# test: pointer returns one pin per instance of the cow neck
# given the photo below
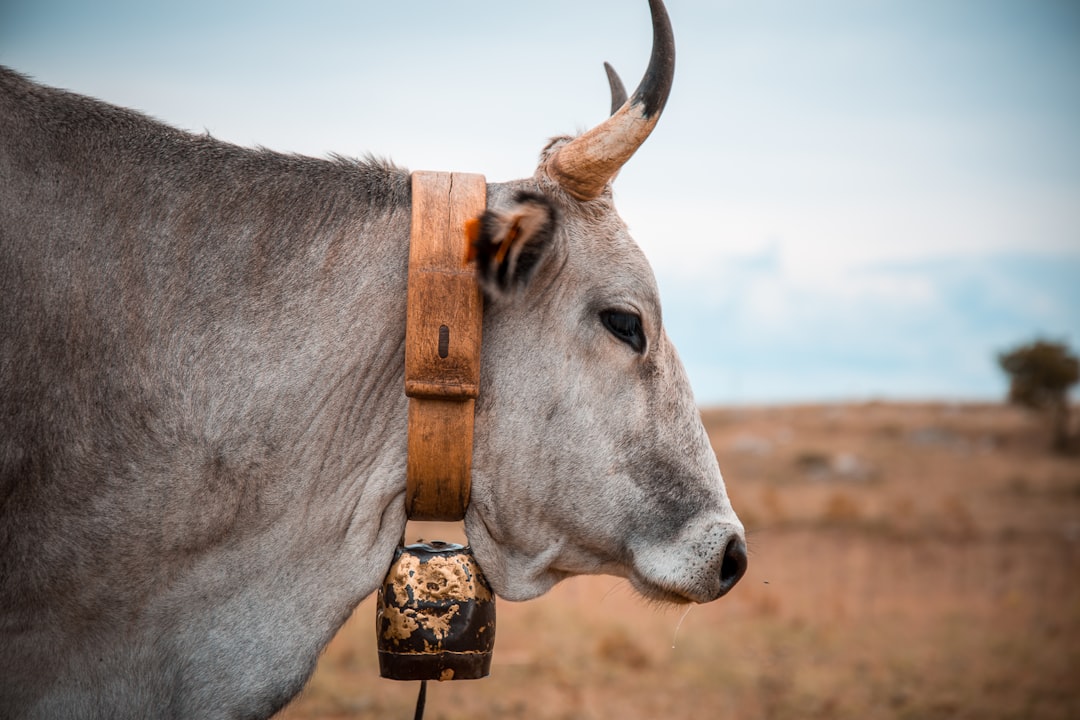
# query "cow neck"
(442, 344)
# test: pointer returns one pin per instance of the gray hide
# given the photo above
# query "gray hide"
(202, 422)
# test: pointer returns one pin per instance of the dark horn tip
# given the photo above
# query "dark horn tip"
(584, 166)
(652, 93)
(618, 90)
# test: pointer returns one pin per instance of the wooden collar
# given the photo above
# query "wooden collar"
(442, 344)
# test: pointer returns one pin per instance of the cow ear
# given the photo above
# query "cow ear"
(508, 244)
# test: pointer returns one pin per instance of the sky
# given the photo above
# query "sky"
(844, 200)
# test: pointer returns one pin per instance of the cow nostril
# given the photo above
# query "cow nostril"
(734, 565)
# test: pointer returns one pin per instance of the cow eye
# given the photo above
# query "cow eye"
(625, 326)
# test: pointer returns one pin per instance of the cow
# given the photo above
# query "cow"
(202, 421)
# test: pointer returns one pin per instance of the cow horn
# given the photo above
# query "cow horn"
(585, 165)
(618, 90)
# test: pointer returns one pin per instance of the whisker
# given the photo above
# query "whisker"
(619, 583)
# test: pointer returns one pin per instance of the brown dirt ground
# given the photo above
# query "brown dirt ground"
(907, 561)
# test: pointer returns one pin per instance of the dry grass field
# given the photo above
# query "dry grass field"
(906, 561)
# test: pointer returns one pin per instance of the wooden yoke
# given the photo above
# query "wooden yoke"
(442, 344)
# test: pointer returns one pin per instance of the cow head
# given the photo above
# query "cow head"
(590, 455)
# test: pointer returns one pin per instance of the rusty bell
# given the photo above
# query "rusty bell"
(436, 615)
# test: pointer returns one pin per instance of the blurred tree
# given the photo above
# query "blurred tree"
(1041, 374)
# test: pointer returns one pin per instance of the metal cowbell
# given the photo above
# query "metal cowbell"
(435, 618)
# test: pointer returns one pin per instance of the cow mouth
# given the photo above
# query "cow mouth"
(661, 594)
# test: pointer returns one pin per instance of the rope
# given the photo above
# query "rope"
(420, 700)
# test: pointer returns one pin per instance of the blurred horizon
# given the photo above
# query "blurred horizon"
(844, 201)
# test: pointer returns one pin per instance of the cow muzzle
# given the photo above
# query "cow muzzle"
(699, 568)
(733, 566)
